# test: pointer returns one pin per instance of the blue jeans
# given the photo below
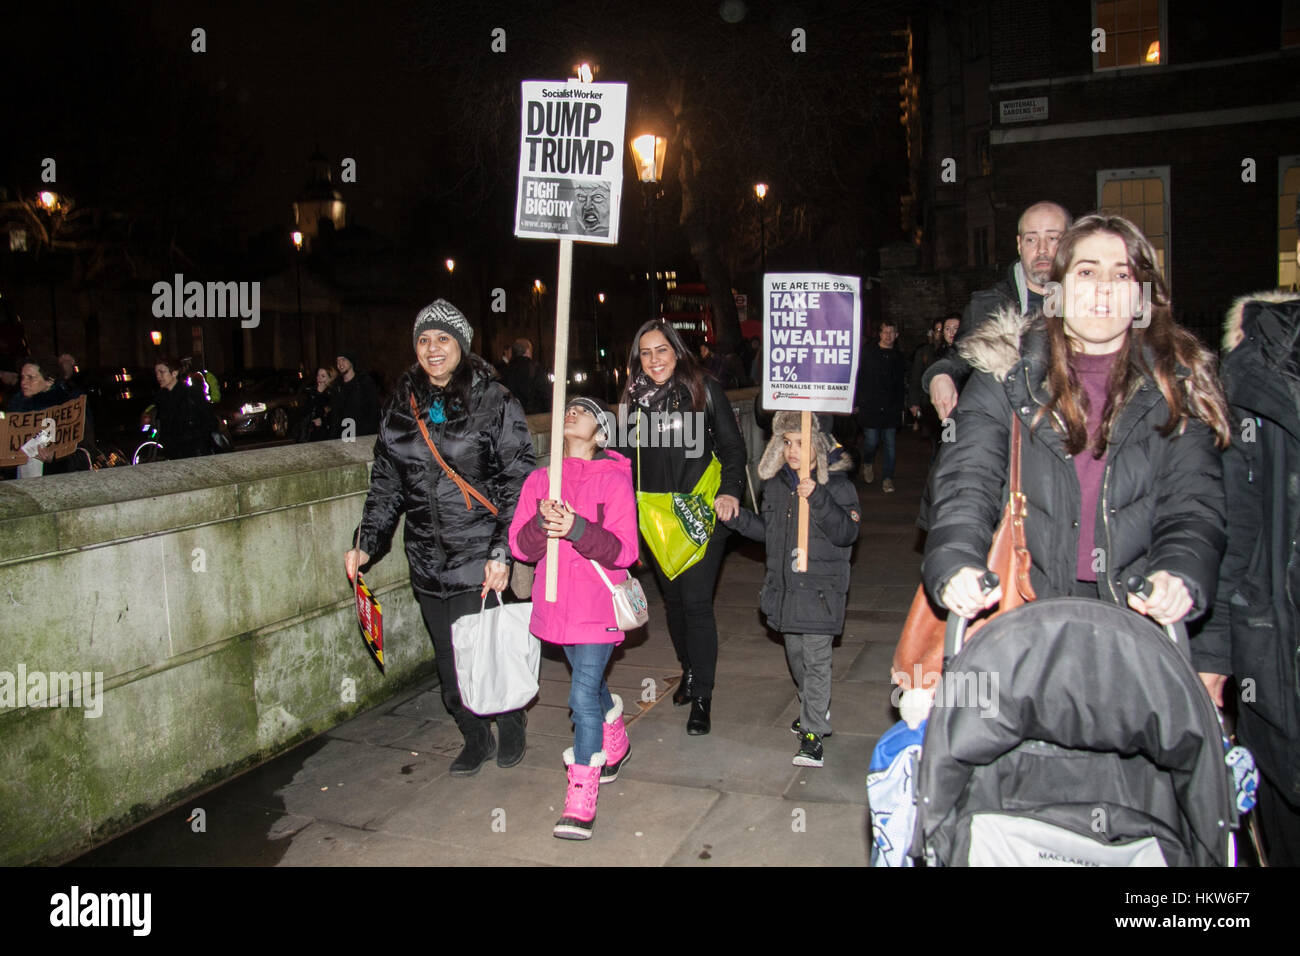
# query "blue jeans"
(589, 697)
(876, 436)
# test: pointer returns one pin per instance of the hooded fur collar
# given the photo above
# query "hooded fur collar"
(998, 344)
(1232, 334)
(993, 346)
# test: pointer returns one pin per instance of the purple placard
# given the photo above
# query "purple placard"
(810, 341)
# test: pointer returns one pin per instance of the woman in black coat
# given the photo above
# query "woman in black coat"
(320, 401)
(41, 387)
(1122, 425)
(456, 547)
(1254, 630)
(688, 412)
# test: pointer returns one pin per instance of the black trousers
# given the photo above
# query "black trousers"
(438, 614)
(688, 604)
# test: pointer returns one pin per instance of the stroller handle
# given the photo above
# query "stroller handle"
(954, 635)
(1178, 630)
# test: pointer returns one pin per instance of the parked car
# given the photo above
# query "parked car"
(262, 401)
(116, 397)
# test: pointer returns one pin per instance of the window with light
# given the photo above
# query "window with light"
(1142, 197)
(1288, 188)
(1133, 33)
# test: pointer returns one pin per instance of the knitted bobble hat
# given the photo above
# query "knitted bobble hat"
(445, 317)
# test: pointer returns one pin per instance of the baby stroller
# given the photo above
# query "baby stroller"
(1071, 732)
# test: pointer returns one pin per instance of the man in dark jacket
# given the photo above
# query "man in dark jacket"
(526, 379)
(1037, 235)
(356, 400)
(1254, 630)
(881, 390)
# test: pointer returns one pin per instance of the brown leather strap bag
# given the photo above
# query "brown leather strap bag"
(466, 489)
(919, 655)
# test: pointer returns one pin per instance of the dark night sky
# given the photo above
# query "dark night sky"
(138, 121)
(286, 75)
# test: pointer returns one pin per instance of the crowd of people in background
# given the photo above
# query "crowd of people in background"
(1133, 447)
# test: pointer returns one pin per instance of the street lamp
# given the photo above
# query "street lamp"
(648, 151)
(451, 265)
(297, 276)
(595, 325)
(55, 209)
(760, 190)
(539, 290)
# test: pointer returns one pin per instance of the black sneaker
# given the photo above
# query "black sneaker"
(810, 751)
(796, 728)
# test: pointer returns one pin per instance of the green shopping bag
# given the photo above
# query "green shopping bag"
(677, 525)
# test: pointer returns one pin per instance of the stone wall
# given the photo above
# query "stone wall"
(208, 596)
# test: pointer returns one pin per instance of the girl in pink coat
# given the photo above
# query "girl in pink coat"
(595, 520)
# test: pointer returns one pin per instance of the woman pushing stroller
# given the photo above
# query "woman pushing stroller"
(1123, 420)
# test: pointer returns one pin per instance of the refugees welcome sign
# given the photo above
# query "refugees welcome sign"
(810, 341)
(571, 161)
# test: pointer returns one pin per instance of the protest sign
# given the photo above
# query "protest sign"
(17, 427)
(811, 341)
(570, 188)
(571, 161)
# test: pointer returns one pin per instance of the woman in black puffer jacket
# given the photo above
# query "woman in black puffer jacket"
(456, 547)
(1122, 425)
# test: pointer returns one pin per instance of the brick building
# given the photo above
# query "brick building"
(1181, 115)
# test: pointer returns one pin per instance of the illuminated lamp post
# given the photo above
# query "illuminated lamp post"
(297, 276)
(648, 151)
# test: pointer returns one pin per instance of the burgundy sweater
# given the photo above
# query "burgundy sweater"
(1092, 371)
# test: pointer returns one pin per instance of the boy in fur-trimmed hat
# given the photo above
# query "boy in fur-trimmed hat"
(806, 607)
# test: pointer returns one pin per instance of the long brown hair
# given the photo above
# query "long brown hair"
(1200, 396)
(687, 371)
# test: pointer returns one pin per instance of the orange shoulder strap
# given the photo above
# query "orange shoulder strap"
(465, 487)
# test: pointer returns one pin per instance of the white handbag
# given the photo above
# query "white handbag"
(497, 658)
(630, 608)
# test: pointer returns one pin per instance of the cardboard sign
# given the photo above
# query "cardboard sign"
(17, 427)
(811, 340)
(571, 161)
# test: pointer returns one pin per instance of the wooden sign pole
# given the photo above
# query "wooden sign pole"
(558, 388)
(805, 471)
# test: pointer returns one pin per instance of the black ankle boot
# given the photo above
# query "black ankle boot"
(513, 743)
(685, 689)
(698, 723)
(479, 746)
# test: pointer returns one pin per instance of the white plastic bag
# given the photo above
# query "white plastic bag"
(497, 659)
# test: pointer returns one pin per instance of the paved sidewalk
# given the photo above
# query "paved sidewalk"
(375, 790)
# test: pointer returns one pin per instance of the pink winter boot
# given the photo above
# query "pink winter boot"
(580, 800)
(617, 748)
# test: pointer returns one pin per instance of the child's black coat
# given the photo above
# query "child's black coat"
(810, 602)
